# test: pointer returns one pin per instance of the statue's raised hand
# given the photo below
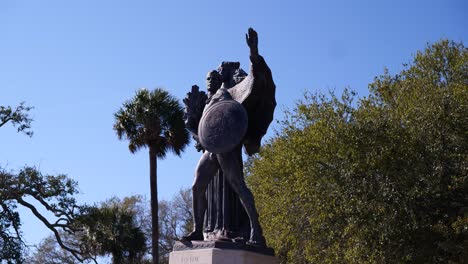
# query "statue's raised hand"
(252, 41)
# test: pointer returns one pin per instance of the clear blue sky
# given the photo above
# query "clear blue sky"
(77, 61)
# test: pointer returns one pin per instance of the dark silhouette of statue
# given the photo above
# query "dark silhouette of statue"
(235, 113)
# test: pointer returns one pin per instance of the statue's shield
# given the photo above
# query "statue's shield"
(223, 126)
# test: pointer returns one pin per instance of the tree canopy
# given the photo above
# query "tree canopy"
(36, 192)
(114, 228)
(17, 116)
(118, 228)
(380, 179)
(153, 119)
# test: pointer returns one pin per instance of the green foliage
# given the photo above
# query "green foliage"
(18, 117)
(152, 119)
(383, 180)
(113, 228)
(36, 192)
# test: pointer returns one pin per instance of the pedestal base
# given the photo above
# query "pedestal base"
(220, 256)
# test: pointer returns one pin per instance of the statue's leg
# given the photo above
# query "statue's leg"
(231, 165)
(206, 169)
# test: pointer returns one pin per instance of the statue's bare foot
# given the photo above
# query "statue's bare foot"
(195, 235)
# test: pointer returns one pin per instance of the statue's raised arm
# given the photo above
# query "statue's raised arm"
(257, 94)
(252, 41)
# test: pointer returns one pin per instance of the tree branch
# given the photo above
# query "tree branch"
(4, 121)
(33, 209)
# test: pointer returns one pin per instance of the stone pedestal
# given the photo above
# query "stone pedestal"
(220, 253)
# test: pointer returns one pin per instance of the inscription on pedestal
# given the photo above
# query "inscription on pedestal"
(191, 257)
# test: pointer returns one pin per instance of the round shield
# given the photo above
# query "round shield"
(223, 126)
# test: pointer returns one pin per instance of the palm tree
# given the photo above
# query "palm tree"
(153, 119)
(113, 229)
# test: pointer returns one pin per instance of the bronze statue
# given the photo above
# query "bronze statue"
(236, 112)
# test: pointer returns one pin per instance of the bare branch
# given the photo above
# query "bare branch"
(51, 227)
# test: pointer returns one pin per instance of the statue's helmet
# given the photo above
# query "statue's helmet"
(227, 70)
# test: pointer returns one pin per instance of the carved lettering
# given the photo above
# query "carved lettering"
(189, 259)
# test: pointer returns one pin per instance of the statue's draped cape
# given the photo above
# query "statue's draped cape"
(257, 94)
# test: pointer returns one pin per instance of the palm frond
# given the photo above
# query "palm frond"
(152, 118)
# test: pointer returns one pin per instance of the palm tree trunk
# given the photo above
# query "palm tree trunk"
(154, 206)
